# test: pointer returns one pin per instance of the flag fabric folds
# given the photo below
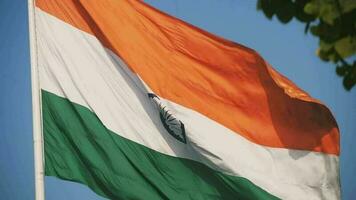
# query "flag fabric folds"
(137, 104)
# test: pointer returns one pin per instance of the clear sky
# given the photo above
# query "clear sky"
(286, 47)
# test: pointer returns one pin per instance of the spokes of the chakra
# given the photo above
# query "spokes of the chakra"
(173, 125)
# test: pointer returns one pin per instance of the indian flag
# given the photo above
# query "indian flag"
(137, 104)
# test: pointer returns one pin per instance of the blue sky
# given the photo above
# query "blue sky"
(286, 47)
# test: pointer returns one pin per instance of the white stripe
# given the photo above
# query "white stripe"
(73, 64)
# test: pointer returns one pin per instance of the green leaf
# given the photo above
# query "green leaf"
(327, 52)
(327, 10)
(325, 46)
(267, 7)
(299, 11)
(350, 77)
(347, 5)
(341, 70)
(285, 11)
(312, 8)
(346, 47)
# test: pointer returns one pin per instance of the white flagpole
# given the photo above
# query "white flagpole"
(36, 106)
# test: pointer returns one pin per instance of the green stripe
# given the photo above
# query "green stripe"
(78, 147)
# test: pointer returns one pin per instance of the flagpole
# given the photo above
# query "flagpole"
(36, 106)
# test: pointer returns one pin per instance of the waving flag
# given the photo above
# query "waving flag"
(137, 104)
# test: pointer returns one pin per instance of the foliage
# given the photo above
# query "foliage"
(332, 21)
